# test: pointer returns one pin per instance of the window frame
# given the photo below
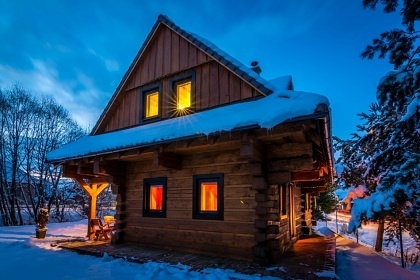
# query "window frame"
(179, 79)
(147, 183)
(206, 178)
(144, 91)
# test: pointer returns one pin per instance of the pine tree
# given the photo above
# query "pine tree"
(327, 202)
(387, 151)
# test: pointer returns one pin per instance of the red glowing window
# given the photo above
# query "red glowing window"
(208, 195)
(208, 201)
(154, 197)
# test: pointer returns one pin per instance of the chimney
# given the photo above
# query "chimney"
(255, 67)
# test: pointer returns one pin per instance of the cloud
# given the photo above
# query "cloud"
(79, 97)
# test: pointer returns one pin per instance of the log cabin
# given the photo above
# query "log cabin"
(204, 154)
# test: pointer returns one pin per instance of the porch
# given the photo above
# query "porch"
(309, 255)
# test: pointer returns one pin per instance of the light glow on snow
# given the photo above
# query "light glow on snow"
(25, 257)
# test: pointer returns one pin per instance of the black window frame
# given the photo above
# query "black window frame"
(144, 91)
(147, 182)
(202, 178)
(173, 82)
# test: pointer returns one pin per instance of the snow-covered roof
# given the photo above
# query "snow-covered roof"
(281, 83)
(224, 58)
(267, 112)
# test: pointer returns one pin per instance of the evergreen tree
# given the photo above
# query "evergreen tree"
(327, 202)
(386, 152)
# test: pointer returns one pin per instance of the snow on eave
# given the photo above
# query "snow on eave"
(267, 112)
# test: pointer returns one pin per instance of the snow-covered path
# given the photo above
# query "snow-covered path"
(354, 261)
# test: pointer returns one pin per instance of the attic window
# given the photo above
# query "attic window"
(183, 93)
(150, 103)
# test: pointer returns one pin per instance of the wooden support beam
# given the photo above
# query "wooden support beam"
(133, 152)
(115, 180)
(116, 155)
(166, 159)
(93, 190)
(72, 171)
(213, 139)
(279, 178)
(251, 149)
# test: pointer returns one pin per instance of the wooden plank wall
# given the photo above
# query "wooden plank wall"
(234, 236)
(166, 56)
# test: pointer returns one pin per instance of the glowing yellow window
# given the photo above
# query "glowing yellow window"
(183, 95)
(156, 197)
(208, 197)
(152, 104)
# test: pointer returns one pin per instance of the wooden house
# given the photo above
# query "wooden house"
(205, 155)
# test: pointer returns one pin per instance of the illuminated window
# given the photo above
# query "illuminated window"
(208, 197)
(154, 197)
(150, 103)
(183, 95)
(182, 87)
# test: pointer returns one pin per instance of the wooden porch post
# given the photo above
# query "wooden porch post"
(93, 190)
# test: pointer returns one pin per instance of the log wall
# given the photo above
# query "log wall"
(234, 236)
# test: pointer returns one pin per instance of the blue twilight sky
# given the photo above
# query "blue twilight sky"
(79, 50)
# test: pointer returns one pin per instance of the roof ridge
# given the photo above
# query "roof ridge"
(221, 56)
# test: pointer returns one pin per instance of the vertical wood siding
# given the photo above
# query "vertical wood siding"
(166, 56)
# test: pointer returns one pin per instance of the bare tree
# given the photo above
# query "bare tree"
(30, 129)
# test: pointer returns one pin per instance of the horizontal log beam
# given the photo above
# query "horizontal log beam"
(72, 171)
(305, 175)
(290, 150)
(312, 184)
(315, 191)
(290, 164)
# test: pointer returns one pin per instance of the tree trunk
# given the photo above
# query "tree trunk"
(380, 235)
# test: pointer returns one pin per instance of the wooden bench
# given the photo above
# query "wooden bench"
(98, 230)
(110, 221)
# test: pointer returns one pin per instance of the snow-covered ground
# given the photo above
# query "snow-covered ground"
(24, 257)
(367, 237)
